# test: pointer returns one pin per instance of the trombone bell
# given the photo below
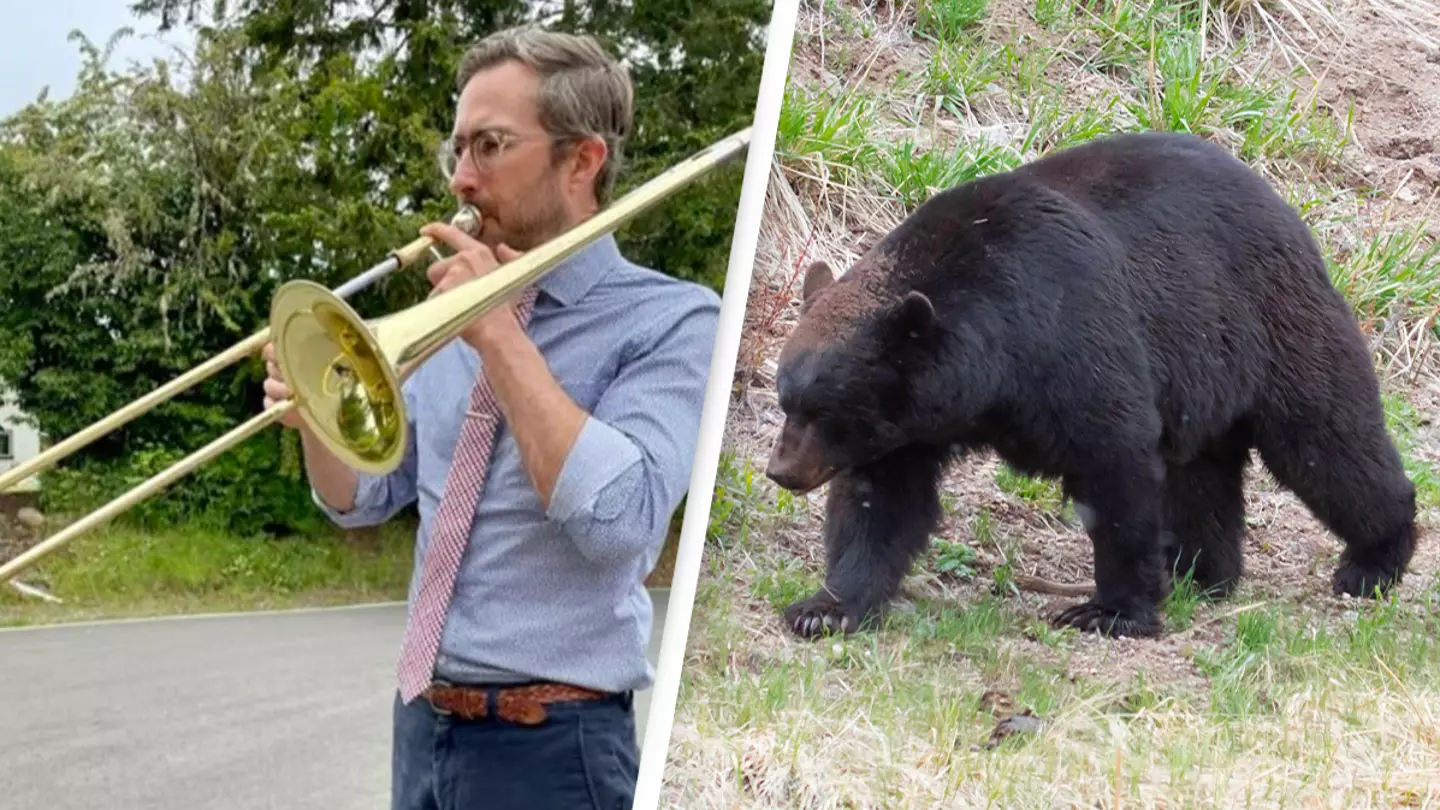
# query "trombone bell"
(347, 392)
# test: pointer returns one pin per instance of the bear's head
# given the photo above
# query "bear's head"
(846, 373)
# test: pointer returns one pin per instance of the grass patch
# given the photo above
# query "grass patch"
(1403, 422)
(829, 130)
(1392, 271)
(948, 19)
(1269, 656)
(1182, 602)
(1294, 708)
(744, 502)
(1039, 492)
(121, 572)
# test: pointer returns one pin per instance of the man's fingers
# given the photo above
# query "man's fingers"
(505, 253)
(480, 259)
(450, 235)
(275, 389)
(437, 271)
(476, 261)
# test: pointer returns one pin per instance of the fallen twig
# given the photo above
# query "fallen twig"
(32, 591)
(1026, 582)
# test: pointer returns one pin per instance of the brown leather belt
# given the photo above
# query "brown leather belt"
(517, 704)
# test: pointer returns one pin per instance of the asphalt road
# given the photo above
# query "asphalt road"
(271, 710)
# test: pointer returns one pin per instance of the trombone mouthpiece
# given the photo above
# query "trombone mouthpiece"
(467, 219)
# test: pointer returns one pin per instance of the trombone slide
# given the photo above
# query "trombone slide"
(155, 484)
(59, 451)
(467, 219)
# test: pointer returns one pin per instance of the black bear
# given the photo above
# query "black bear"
(1129, 317)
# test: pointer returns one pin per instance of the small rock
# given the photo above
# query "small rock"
(31, 518)
(1023, 723)
(997, 703)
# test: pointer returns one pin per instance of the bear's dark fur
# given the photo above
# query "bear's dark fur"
(1130, 317)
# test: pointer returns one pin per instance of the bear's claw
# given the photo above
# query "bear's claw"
(820, 614)
(1092, 617)
(1361, 581)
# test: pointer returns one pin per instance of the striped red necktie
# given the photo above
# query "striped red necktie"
(453, 520)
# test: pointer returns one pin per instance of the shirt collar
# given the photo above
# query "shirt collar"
(569, 281)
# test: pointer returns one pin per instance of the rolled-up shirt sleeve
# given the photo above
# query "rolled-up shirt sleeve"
(378, 497)
(631, 463)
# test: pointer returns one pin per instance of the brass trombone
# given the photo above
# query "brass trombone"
(345, 374)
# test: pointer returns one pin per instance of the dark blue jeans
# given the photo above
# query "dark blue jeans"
(582, 756)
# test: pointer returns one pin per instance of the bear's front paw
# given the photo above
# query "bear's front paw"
(821, 613)
(1092, 617)
(1362, 580)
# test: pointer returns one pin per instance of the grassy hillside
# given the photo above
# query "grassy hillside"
(1280, 697)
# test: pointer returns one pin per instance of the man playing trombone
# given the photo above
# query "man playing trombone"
(528, 618)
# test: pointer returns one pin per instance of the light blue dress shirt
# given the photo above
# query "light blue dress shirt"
(559, 595)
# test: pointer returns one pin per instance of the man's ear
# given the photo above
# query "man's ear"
(587, 156)
(818, 276)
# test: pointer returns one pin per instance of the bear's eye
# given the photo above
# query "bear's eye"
(790, 393)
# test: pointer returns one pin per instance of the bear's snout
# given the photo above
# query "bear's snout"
(796, 462)
(786, 475)
(798, 480)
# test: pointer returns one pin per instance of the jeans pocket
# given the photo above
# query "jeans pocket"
(610, 763)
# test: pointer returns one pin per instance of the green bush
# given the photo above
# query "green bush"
(147, 220)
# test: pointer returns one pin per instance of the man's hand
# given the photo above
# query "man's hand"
(548, 423)
(472, 260)
(328, 475)
(276, 391)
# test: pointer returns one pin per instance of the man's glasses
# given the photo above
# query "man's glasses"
(485, 146)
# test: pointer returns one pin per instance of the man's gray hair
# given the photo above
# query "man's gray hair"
(583, 91)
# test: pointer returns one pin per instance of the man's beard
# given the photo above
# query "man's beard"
(536, 219)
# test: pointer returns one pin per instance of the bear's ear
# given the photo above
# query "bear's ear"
(818, 276)
(915, 316)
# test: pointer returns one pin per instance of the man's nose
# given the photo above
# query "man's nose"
(465, 183)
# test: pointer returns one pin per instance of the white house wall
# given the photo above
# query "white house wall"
(24, 441)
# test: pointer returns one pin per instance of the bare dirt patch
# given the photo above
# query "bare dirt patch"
(1391, 76)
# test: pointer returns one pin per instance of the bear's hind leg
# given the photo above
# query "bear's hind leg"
(1121, 507)
(878, 519)
(1344, 467)
(1205, 515)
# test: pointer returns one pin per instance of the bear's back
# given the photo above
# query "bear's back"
(1119, 210)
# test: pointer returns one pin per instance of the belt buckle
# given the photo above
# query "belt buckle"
(435, 707)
